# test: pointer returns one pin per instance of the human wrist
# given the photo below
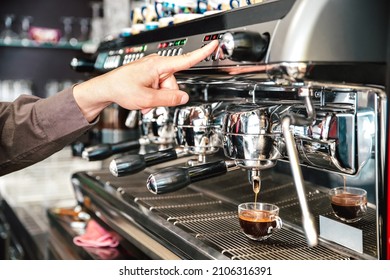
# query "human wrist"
(89, 100)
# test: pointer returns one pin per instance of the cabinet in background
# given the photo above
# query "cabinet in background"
(47, 64)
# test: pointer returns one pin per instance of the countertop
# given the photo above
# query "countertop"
(32, 191)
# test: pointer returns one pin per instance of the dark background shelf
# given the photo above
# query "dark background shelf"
(44, 63)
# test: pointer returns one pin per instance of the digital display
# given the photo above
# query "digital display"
(163, 45)
(136, 49)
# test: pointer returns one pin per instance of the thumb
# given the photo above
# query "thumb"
(168, 97)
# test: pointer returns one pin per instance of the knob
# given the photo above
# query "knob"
(244, 46)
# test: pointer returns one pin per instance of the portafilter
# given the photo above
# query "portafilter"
(251, 138)
(197, 129)
(156, 129)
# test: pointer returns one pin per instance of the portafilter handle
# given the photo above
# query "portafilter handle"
(175, 178)
(104, 151)
(131, 164)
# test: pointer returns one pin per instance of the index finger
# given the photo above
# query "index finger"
(187, 60)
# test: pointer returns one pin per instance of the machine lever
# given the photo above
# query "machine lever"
(131, 164)
(103, 151)
(174, 178)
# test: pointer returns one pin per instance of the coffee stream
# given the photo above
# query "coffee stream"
(256, 187)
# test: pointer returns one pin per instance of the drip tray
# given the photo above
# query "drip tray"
(207, 214)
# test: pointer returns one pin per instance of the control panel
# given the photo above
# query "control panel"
(240, 46)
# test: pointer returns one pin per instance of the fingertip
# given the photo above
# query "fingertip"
(184, 99)
(212, 45)
(215, 42)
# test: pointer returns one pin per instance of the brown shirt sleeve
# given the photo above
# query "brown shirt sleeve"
(33, 128)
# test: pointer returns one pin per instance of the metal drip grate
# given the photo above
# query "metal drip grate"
(208, 211)
(179, 201)
(195, 211)
(210, 225)
(299, 253)
(223, 234)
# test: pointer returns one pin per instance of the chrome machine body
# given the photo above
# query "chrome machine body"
(305, 89)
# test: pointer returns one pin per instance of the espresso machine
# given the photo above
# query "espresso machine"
(153, 131)
(197, 137)
(292, 103)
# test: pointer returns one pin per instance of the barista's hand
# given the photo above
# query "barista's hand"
(146, 83)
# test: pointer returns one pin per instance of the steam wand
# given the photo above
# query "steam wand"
(294, 119)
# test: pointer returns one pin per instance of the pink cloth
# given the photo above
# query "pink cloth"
(95, 236)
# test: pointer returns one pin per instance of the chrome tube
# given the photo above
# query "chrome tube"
(307, 218)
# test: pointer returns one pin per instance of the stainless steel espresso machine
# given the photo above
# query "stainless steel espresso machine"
(291, 104)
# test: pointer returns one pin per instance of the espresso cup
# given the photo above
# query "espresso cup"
(165, 8)
(250, 2)
(165, 21)
(179, 18)
(137, 16)
(258, 221)
(149, 14)
(187, 7)
(137, 28)
(349, 204)
(237, 3)
(225, 5)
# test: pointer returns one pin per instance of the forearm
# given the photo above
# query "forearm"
(33, 129)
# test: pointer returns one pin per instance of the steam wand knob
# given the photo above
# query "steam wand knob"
(244, 46)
